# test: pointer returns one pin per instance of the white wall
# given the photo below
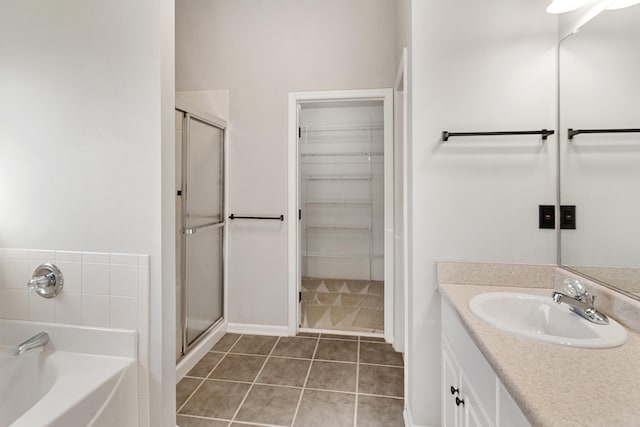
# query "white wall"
(476, 66)
(260, 51)
(572, 21)
(402, 31)
(84, 88)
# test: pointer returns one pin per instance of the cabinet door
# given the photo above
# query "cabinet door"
(471, 416)
(450, 378)
(509, 413)
(474, 414)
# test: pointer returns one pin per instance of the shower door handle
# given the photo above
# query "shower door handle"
(193, 230)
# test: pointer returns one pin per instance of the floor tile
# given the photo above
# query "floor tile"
(381, 380)
(337, 350)
(185, 421)
(295, 347)
(216, 399)
(324, 408)
(333, 376)
(339, 337)
(270, 405)
(205, 365)
(254, 344)
(184, 389)
(238, 367)
(380, 412)
(372, 339)
(281, 371)
(380, 354)
(226, 342)
(308, 334)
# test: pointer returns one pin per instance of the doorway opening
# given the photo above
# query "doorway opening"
(341, 173)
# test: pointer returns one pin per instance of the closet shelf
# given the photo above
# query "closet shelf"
(340, 255)
(347, 154)
(340, 203)
(352, 128)
(338, 228)
(337, 178)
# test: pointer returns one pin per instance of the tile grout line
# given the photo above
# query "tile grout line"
(254, 381)
(203, 379)
(306, 379)
(200, 417)
(355, 409)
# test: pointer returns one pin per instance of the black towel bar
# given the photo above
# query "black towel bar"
(574, 132)
(544, 132)
(277, 218)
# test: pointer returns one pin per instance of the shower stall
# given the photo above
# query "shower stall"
(200, 227)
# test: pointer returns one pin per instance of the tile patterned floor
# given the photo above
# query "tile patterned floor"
(309, 380)
(339, 304)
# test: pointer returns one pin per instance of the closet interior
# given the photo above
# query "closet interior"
(342, 215)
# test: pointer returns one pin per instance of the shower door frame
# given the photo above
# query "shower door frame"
(294, 274)
(222, 125)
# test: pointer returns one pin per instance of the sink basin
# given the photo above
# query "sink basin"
(540, 318)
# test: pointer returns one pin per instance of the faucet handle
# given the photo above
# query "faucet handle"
(576, 289)
(571, 288)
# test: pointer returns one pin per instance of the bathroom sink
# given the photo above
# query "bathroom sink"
(540, 318)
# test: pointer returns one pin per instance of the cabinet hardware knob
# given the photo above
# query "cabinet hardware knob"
(459, 401)
(454, 390)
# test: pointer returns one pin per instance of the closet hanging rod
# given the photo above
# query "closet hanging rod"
(277, 218)
(574, 132)
(544, 132)
(341, 128)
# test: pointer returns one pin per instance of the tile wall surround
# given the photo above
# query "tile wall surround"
(622, 308)
(107, 290)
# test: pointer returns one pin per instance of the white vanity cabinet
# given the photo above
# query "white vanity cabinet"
(472, 395)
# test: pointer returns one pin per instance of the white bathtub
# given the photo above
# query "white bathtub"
(83, 377)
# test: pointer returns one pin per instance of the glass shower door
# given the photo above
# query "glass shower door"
(203, 190)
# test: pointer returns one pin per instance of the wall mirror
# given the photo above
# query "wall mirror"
(599, 98)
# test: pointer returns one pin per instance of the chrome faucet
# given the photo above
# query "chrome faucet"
(580, 301)
(35, 341)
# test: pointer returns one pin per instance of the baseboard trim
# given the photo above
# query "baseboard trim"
(248, 328)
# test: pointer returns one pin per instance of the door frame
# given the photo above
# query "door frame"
(293, 252)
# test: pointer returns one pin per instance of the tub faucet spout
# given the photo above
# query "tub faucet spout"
(35, 341)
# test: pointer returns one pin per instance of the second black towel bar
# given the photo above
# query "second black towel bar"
(277, 218)
(544, 132)
(574, 132)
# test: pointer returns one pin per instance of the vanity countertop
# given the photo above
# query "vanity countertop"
(556, 385)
